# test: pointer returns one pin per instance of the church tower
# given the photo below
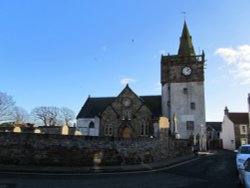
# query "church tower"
(182, 79)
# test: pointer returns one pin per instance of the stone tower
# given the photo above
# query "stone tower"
(182, 79)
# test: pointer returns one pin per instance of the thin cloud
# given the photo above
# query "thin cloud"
(228, 54)
(126, 81)
(239, 61)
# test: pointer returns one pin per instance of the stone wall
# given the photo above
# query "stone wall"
(69, 150)
(55, 130)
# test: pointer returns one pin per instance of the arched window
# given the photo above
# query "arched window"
(91, 125)
(144, 128)
(126, 115)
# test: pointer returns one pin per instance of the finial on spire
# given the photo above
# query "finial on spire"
(184, 15)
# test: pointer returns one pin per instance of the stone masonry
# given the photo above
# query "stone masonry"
(69, 150)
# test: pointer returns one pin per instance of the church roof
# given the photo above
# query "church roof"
(153, 103)
(96, 105)
(186, 46)
(239, 118)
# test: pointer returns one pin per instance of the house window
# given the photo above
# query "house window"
(185, 90)
(192, 105)
(190, 125)
(144, 128)
(108, 130)
(91, 125)
(243, 129)
(243, 141)
(168, 103)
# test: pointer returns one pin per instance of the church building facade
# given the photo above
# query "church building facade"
(124, 116)
(131, 116)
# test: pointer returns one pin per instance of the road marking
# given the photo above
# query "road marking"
(175, 165)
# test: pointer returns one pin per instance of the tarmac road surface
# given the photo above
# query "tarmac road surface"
(210, 171)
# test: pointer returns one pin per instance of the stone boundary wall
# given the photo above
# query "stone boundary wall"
(69, 150)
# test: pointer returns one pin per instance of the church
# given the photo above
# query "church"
(182, 101)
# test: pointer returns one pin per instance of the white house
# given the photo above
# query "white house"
(89, 126)
(235, 129)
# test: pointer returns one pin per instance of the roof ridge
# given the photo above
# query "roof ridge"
(101, 97)
(237, 112)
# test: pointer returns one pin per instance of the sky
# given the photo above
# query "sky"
(59, 52)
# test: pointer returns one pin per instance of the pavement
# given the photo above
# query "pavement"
(100, 169)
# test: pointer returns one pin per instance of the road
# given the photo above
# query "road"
(212, 171)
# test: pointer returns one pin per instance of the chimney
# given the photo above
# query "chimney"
(226, 111)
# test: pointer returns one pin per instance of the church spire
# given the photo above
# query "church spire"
(186, 46)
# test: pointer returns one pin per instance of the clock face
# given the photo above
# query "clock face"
(186, 71)
(126, 102)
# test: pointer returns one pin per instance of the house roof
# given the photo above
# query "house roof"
(95, 106)
(239, 118)
(214, 125)
(13, 124)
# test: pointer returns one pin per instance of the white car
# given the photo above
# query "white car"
(244, 174)
(243, 153)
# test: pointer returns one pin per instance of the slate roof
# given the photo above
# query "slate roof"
(214, 125)
(95, 106)
(239, 118)
(186, 46)
(154, 104)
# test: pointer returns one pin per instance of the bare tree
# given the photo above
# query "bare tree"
(54, 113)
(40, 113)
(67, 115)
(20, 115)
(47, 114)
(52, 116)
(6, 107)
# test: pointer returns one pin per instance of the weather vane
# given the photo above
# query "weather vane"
(184, 14)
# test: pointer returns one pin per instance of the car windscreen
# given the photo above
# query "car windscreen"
(245, 150)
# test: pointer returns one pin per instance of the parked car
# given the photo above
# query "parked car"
(243, 153)
(244, 174)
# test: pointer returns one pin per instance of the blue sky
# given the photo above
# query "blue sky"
(57, 52)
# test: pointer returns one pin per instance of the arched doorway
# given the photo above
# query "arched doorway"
(127, 132)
